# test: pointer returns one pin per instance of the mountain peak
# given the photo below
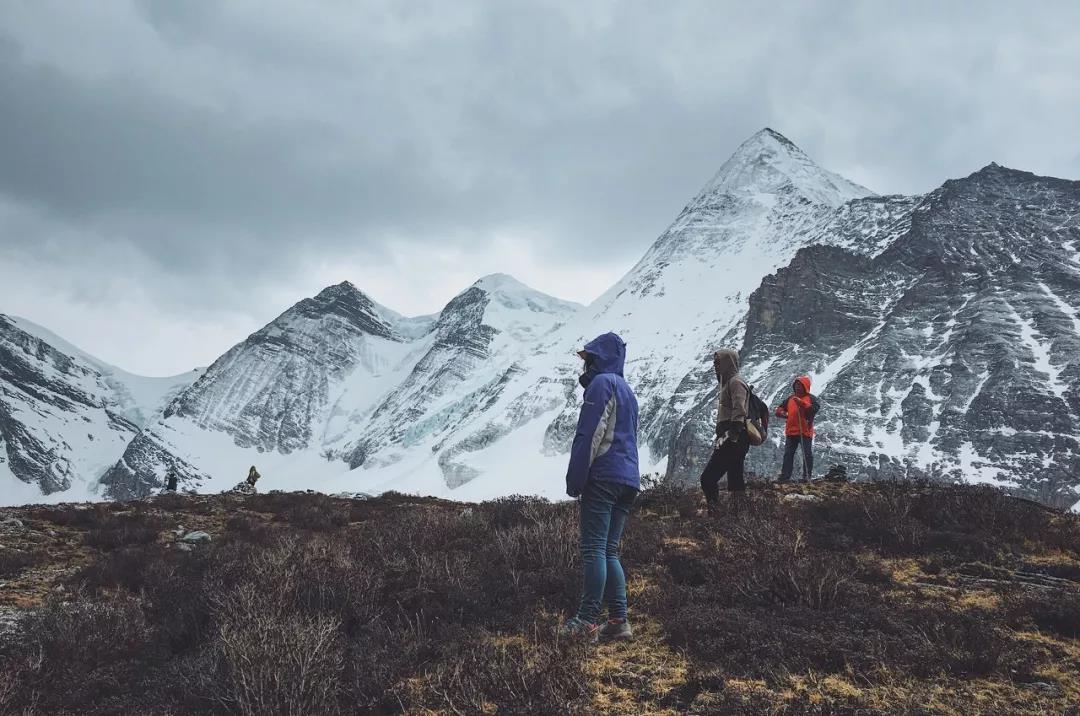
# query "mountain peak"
(347, 301)
(770, 163)
(507, 285)
(339, 290)
(501, 283)
(768, 134)
(993, 174)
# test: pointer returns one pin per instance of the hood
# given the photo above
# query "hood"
(608, 353)
(803, 380)
(726, 363)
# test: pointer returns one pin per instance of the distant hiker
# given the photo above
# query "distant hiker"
(603, 472)
(799, 411)
(731, 444)
(253, 476)
(170, 481)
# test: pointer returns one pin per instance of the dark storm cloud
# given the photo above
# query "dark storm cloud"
(253, 149)
(439, 134)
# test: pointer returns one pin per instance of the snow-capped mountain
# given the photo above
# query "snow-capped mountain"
(66, 416)
(673, 308)
(337, 382)
(953, 352)
(940, 331)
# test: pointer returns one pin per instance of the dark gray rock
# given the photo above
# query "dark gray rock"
(196, 537)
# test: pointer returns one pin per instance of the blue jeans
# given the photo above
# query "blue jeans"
(604, 509)
(791, 444)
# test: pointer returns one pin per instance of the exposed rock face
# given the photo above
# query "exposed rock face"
(954, 352)
(64, 415)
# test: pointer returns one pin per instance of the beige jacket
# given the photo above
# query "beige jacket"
(734, 395)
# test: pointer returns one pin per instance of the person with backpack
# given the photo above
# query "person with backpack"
(732, 439)
(798, 410)
(603, 473)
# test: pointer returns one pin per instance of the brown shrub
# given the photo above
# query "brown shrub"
(883, 516)
(69, 658)
(424, 606)
(1056, 611)
(176, 502)
(522, 674)
(316, 517)
(82, 516)
(113, 531)
(267, 659)
(13, 561)
(667, 495)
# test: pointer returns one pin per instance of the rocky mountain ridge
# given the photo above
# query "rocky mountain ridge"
(939, 330)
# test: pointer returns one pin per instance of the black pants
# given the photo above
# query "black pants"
(791, 444)
(728, 458)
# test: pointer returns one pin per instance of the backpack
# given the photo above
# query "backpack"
(815, 407)
(757, 418)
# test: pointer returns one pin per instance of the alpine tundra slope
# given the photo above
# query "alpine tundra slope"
(940, 330)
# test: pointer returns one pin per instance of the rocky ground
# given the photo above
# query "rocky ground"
(830, 599)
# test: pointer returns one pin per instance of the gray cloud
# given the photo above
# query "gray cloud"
(201, 160)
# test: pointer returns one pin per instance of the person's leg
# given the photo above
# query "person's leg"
(597, 504)
(808, 458)
(615, 587)
(735, 477)
(791, 443)
(710, 477)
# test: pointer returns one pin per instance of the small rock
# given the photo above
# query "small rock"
(467, 512)
(242, 489)
(352, 495)
(11, 523)
(799, 497)
(184, 547)
(197, 536)
(836, 473)
(1046, 688)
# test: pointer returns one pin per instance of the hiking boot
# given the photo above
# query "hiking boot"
(616, 630)
(575, 628)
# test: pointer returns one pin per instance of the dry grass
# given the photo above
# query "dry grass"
(873, 599)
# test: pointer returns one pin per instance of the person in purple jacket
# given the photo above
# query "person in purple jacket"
(603, 472)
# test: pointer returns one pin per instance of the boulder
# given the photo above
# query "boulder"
(196, 536)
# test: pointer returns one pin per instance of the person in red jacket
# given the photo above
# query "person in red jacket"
(798, 411)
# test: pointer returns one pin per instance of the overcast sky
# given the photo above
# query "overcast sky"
(175, 174)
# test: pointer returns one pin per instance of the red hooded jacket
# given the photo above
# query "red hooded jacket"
(797, 411)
